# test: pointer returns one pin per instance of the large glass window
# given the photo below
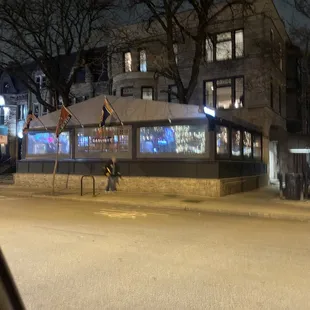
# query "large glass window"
(95, 142)
(225, 93)
(222, 140)
(236, 142)
(247, 144)
(177, 139)
(257, 146)
(45, 144)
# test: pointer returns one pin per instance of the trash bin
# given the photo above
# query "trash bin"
(293, 186)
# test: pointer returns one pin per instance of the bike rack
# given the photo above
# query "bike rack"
(94, 184)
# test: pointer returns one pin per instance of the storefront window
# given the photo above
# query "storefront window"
(94, 142)
(236, 142)
(178, 139)
(222, 140)
(45, 143)
(257, 146)
(247, 144)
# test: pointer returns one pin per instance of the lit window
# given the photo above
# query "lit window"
(222, 140)
(239, 96)
(147, 93)
(176, 139)
(257, 146)
(209, 50)
(127, 62)
(247, 144)
(143, 66)
(236, 142)
(225, 93)
(223, 46)
(239, 49)
(176, 52)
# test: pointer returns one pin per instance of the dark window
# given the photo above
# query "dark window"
(6, 88)
(271, 94)
(172, 94)
(127, 91)
(225, 93)
(114, 92)
(1, 116)
(280, 100)
(80, 76)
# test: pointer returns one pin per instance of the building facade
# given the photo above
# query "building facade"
(244, 73)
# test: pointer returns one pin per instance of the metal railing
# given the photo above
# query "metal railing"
(94, 184)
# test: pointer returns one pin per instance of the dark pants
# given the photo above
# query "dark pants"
(111, 186)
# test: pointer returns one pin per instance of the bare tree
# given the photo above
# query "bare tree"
(43, 35)
(173, 24)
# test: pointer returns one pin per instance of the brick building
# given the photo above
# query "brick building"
(244, 74)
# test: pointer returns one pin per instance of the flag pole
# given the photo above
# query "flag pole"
(105, 97)
(55, 165)
(40, 122)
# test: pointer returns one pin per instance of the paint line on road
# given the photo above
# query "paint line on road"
(120, 214)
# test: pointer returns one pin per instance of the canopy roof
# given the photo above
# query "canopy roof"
(128, 109)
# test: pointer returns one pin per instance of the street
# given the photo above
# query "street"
(78, 255)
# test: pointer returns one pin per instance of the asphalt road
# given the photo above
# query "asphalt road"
(69, 255)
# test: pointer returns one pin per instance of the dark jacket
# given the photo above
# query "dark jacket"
(108, 169)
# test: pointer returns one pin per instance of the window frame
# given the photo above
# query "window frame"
(170, 95)
(228, 154)
(126, 87)
(124, 61)
(140, 64)
(213, 40)
(145, 87)
(233, 90)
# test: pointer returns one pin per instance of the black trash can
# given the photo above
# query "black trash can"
(293, 186)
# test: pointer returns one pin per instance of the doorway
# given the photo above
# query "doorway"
(273, 160)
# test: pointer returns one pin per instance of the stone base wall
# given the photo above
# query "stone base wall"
(179, 186)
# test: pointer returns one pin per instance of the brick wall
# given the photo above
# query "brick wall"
(179, 186)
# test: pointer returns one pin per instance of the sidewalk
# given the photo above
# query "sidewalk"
(263, 203)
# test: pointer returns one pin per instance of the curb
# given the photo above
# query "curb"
(253, 214)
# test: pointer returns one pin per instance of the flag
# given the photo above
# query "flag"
(29, 118)
(64, 119)
(107, 110)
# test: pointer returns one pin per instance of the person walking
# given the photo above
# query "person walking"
(112, 171)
